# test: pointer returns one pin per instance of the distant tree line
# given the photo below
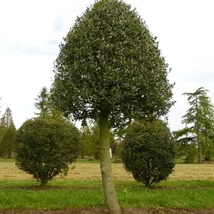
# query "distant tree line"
(194, 142)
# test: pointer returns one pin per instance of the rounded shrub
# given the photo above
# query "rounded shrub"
(45, 147)
(148, 152)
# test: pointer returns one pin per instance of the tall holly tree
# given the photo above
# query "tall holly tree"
(110, 70)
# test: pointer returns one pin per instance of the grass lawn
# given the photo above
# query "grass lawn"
(81, 194)
(190, 186)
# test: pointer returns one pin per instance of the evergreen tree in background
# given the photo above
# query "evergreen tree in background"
(7, 134)
(199, 124)
(42, 103)
(45, 106)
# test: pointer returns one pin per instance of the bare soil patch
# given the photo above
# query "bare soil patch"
(103, 210)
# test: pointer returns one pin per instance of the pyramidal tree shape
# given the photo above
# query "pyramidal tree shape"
(110, 69)
(199, 121)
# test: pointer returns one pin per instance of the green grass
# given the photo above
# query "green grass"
(86, 160)
(8, 184)
(188, 184)
(180, 198)
(82, 194)
(23, 194)
(51, 199)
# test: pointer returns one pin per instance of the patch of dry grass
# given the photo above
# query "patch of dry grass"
(193, 172)
(91, 171)
(9, 171)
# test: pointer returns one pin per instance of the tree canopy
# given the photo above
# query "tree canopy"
(42, 103)
(7, 134)
(110, 61)
(45, 147)
(148, 151)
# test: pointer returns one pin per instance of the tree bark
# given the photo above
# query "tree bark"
(105, 165)
(198, 133)
(43, 183)
(199, 149)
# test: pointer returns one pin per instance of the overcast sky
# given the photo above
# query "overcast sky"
(31, 31)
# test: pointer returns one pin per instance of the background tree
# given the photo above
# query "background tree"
(110, 70)
(45, 107)
(199, 123)
(148, 152)
(186, 150)
(42, 103)
(96, 141)
(6, 119)
(86, 144)
(7, 134)
(3, 130)
(90, 142)
(45, 147)
(8, 141)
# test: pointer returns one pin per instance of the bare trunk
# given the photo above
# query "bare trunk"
(198, 133)
(199, 150)
(43, 183)
(105, 165)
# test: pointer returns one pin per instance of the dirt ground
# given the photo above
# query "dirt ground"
(103, 210)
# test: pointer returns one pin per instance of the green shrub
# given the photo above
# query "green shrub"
(45, 147)
(148, 152)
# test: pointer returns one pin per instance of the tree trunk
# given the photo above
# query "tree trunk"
(199, 150)
(105, 165)
(198, 132)
(43, 183)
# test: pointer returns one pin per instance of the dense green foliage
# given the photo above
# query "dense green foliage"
(148, 152)
(45, 107)
(45, 147)
(186, 153)
(90, 142)
(199, 126)
(42, 103)
(109, 61)
(7, 134)
(110, 70)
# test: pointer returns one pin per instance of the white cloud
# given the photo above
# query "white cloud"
(31, 32)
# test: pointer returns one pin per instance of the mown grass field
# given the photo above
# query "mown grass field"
(82, 170)
(190, 186)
